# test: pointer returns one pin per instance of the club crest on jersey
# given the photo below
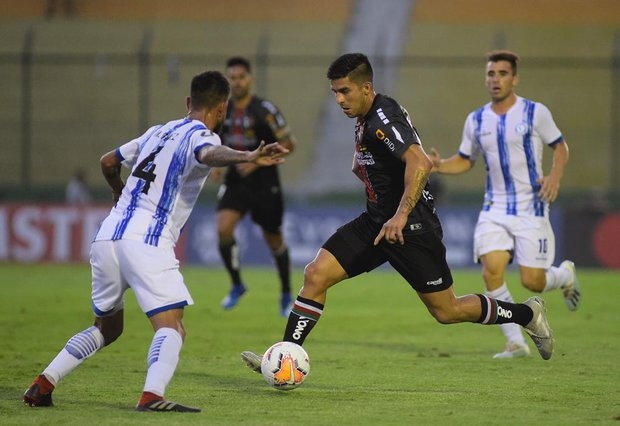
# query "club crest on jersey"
(522, 128)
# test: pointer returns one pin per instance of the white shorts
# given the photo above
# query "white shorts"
(531, 238)
(151, 272)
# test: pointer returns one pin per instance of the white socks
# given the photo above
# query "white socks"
(512, 331)
(556, 277)
(78, 348)
(162, 360)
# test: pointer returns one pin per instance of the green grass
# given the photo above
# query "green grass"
(377, 357)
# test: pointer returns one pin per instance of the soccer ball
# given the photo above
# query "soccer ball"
(285, 365)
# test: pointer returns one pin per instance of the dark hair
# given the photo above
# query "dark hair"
(239, 61)
(356, 66)
(209, 89)
(504, 55)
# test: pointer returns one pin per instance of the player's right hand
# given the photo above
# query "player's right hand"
(435, 157)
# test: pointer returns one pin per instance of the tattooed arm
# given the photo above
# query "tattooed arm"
(418, 168)
(264, 155)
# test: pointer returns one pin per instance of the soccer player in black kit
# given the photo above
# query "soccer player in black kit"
(257, 190)
(399, 225)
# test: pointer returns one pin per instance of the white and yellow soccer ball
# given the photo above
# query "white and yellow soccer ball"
(285, 365)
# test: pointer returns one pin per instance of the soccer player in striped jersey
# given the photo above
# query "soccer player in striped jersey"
(510, 132)
(400, 225)
(134, 247)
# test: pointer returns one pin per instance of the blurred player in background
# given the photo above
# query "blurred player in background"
(399, 226)
(76, 191)
(510, 133)
(134, 247)
(247, 188)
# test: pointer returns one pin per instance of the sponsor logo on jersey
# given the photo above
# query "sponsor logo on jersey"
(388, 143)
(415, 226)
(365, 159)
(438, 281)
(382, 116)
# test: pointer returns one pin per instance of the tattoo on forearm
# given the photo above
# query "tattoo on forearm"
(417, 185)
(222, 156)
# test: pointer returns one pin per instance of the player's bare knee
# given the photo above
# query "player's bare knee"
(314, 279)
(488, 276)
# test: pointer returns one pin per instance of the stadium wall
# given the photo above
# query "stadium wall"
(75, 86)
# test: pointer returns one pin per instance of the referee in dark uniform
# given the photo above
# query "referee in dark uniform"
(249, 189)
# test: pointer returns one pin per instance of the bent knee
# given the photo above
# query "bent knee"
(316, 279)
(313, 276)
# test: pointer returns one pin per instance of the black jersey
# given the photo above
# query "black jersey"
(245, 128)
(381, 138)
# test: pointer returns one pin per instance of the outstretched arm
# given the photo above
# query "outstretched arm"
(264, 155)
(450, 166)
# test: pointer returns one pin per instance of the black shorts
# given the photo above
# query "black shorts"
(265, 204)
(421, 261)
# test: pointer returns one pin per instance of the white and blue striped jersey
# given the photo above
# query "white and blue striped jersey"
(512, 147)
(165, 181)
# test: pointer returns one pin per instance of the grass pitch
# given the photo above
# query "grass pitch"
(377, 356)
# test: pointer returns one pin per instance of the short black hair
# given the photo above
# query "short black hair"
(504, 55)
(356, 66)
(208, 89)
(239, 61)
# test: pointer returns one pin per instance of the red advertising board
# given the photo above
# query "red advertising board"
(63, 233)
(48, 232)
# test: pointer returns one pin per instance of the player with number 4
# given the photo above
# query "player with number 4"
(134, 247)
